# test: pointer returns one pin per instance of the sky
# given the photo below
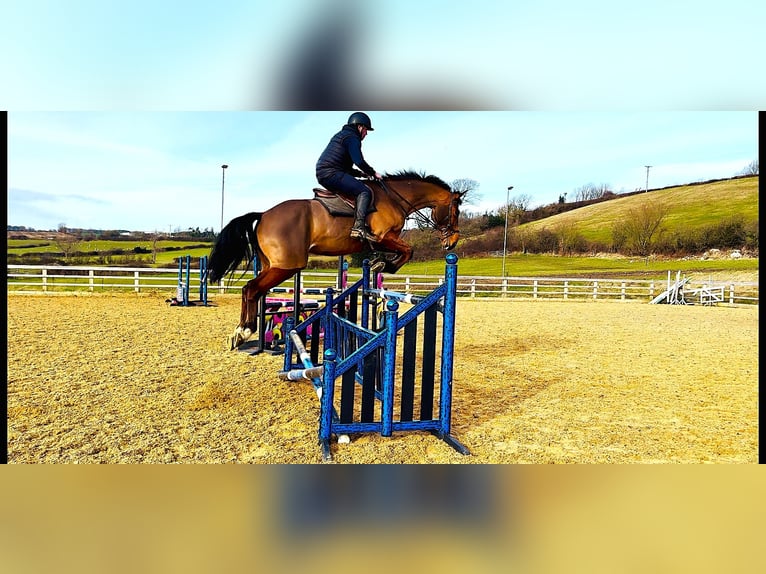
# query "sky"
(121, 114)
(231, 55)
(161, 171)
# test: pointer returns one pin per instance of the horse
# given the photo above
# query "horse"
(281, 238)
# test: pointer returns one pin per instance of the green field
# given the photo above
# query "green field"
(688, 206)
(518, 265)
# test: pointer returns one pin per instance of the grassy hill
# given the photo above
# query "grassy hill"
(688, 207)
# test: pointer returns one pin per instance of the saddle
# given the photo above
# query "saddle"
(338, 204)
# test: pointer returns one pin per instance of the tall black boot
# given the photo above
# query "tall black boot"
(359, 230)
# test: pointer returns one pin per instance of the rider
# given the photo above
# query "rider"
(335, 169)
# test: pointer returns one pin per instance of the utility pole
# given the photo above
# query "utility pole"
(647, 178)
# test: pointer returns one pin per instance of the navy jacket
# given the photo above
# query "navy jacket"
(342, 153)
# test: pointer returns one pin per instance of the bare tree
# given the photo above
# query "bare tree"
(468, 188)
(751, 169)
(67, 243)
(570, 240)
(520, 202)
(591, 191)
(638, 229)
(517, 207)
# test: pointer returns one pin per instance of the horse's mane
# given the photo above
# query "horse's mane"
(410, 174)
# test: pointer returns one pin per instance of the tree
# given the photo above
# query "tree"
(517, 207)
(570, 240)
(67, 243)
(751, 169)
(637, 230)
(591, 191)
(468, 188)
(520, 202)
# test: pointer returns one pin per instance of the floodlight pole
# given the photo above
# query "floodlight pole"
(505, 233)
(223, 177)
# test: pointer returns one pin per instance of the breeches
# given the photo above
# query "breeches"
(343, 183)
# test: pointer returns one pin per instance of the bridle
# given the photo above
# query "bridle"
(445, 230)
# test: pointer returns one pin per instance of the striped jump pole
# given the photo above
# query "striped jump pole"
(400, 297)
(313, 374)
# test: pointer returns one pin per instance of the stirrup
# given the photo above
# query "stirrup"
(362, 233)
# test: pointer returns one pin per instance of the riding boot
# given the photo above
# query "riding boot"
(359, 229)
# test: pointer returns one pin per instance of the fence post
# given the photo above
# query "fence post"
(504, 290)
(622, 291)
(473, 288)
(595, 290)
(731, 293)
(566, 289)
(136, 281)
(45, 279)
(90, 280)
(534, 289)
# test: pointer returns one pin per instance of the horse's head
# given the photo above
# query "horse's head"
(445, 219)
(413, 191)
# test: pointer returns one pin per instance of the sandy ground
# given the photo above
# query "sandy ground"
(129, 379)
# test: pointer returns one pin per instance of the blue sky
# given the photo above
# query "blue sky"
(160, 171)
(389, 54)
(160, 90)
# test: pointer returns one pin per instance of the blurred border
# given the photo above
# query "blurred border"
(324, 517)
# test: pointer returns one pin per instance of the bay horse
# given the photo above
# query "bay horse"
(283, 237)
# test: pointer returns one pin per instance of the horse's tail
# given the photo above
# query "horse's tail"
(236, 243)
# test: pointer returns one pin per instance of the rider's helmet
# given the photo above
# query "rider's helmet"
(360, 118)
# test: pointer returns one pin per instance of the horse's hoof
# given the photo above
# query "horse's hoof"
(235, 339)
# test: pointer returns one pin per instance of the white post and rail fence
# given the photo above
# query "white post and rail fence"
(63, 279)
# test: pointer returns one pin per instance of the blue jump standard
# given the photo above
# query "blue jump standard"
(355, 355)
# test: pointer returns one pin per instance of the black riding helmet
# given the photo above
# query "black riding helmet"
(361, 119)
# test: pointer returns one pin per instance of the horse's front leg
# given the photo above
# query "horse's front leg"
(401, 253)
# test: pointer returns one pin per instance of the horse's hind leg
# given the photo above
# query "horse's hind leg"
(251, 294)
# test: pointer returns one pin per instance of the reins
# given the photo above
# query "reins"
(415, 214)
